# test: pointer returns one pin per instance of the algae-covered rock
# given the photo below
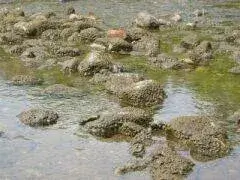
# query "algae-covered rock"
(135, 34)
(205, 139)
(70, 66)
(109, 123)
(38, 117)
(94, 62)
(143, 94)
(190, 41)
(164, 61)
(21, 80)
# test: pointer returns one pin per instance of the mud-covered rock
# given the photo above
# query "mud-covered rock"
(118, 82)
(135, 34)
(109, 123)
(38, 117)
(190, 41)
(143, 94)
(146, 20)
(164, 61)
(70, 66)
(203, 136)
(67, 51)
(89, 35)
(147, 45)
(21, 80)
(16, 49)
(60, 90)
(51, 34)
(163, 163)
(167, 164)
(10, 39)
(94, 62)
(119, 44)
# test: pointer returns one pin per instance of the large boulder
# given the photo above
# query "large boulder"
(38, 117)
(143, 94)
(26, 80)
(109, 123)
(203, 136)
(146, 20)
(118, 82)
(94, 62)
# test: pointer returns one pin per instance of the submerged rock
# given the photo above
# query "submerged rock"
(61, 90)
(205, 139)
(163, 163)
(38, 117)
(113, 122)
(21, 80)
(164, 61)
(143, 94)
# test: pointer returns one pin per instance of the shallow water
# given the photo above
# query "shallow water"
(60, 152)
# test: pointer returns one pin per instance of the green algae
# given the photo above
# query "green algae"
(231, 4)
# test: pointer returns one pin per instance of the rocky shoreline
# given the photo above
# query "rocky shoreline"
(80, 45)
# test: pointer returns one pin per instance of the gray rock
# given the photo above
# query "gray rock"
(135, 34)
(94, 62)
(143, 94)
(118, 82)
(67, 51)
(38, 117)
(70, 66)
(147, 45)
(146, 20)
(51, 34)
(203, 136)
(190, 41)
(164, 61)
(109, 123)
(119, 44)
(10, 39)
(89, 35)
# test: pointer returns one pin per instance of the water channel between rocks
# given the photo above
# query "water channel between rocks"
(62, 151)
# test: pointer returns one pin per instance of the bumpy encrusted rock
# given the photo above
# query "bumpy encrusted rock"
(38, 117)
(26, 80)
(143, 94)
(205, 138)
